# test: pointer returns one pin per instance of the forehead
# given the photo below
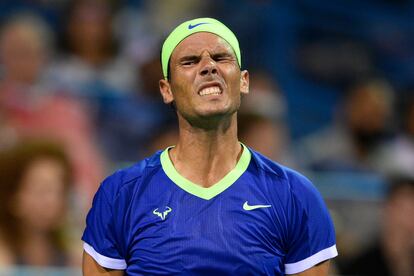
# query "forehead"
(197, 43)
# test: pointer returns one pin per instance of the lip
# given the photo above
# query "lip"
(210, 84)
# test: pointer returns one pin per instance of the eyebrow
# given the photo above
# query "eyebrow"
(189, 57)
(222, 54)
(213, 56)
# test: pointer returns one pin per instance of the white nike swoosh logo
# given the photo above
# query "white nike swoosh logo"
(248, 207)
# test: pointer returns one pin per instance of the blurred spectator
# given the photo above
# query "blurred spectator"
(165, 137)
(26, 45)
(91, 64)
(35, 180)
(30, 105)
(49, 10)
(121, 80)
(355, 140)
(393, 253)
(398, 157)
(262, 134)
(265, 96)
(140, 29)
(127, 125)
(261, 121)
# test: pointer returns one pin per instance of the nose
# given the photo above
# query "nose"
(208, 67)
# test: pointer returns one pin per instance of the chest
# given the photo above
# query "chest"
(238, 232)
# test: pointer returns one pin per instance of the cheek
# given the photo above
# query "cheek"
(233, 77)
(183, 92)
(182, 79)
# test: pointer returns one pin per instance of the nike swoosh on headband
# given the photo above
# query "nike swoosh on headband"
(196, 25)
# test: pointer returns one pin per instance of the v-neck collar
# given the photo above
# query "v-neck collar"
(214, 190)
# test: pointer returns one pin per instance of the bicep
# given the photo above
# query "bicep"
(317, 270)
(91, 268)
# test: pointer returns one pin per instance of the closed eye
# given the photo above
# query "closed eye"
(223, 57)
(190, 60)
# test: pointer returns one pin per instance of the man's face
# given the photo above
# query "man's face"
(205, 78)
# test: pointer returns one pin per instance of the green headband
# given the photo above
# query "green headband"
(190, 27)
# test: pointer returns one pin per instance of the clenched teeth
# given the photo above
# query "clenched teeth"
(214, 90)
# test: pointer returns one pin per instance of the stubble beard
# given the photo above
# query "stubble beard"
(211, 121)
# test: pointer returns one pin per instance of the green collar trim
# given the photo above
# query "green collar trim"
(210, 192)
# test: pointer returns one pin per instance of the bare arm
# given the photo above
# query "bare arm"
(91, 268)
(318, 270)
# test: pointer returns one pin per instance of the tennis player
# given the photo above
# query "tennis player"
(208, 205)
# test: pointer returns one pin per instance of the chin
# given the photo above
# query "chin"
(214, 112)
(218, 110)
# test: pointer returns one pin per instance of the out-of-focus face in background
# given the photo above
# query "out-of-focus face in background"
(40, 201)
(368, 108)
(261, 120)
(22, 52)
(367, 113)
(34, 189)
(89, 29)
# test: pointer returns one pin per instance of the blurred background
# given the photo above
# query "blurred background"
(332, 95)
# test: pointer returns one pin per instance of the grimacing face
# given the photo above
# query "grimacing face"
(205, 78)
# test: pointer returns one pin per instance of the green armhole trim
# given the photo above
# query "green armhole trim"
(210, 192)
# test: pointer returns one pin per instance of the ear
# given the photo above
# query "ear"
(165, 89)
(244, 82)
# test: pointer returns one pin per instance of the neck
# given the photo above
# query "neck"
(36, 249)
(205, 156)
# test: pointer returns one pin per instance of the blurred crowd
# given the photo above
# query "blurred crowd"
(79, 98)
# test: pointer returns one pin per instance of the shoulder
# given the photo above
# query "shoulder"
(126, 179)
(278, 171)
(286, 180)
